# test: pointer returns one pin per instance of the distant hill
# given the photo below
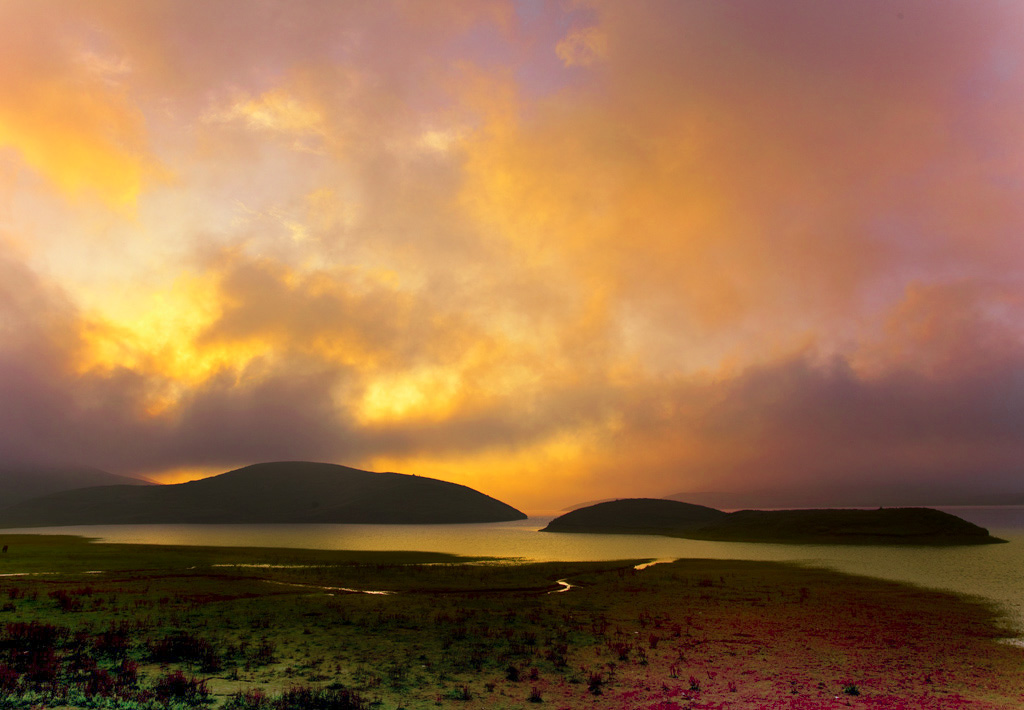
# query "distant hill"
(883, 526)
(282, 492)
(20, 483)
(839, 496)
(584, 504)
(635, 515)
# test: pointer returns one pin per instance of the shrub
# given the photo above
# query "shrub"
(66, 602)
(99, 683)
(176, 686)
(263, 654)
(333, 697)
(620, 649)
(44, 666)
(250, 700)
(127, 674)
(8, 678)
(113, 642)
(186, 647)
(33, 636)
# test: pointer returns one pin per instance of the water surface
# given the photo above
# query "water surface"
(994, 572)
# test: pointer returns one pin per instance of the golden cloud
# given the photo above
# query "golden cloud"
(721, 253)
(89, 142)
(277, 111)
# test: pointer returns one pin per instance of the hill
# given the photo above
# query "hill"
(854, 496)
(281, 492)
(652, 516)
(20, 483)
(883, 526)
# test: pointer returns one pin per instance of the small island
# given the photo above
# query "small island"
(277, 492)
(837, 526)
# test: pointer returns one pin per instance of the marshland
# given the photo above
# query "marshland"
(90, 624)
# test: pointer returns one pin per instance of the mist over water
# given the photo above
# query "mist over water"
(993, 572)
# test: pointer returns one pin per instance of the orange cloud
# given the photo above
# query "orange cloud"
(65, 109)
(278, 111)
(561, 253)
(89, 145)
(728, 187)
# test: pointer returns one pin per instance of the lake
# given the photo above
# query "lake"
(994, 572)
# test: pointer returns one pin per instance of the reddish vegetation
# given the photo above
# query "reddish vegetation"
(739, 636)
(697, 634)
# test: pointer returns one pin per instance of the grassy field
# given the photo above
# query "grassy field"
(132, 626)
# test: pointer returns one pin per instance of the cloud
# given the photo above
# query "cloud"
(582, 47)
(731, 185)
(962, 328)
(48, 410)
(66, 109)
(801, 420)
(601, 248)
(276, 111)
(343, 316)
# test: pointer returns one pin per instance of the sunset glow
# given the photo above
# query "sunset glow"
(556, 251)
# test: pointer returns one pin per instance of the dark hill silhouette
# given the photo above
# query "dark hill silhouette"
(635, 515)
(281, 492)
(884, 526)
(19, 482)
(892, 495)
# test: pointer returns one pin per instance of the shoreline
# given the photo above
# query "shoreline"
(991, 572)
(688, 633)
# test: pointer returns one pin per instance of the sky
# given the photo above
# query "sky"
(556, 251)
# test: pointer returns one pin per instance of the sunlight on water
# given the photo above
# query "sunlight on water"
(994, 572)
(564, 586)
